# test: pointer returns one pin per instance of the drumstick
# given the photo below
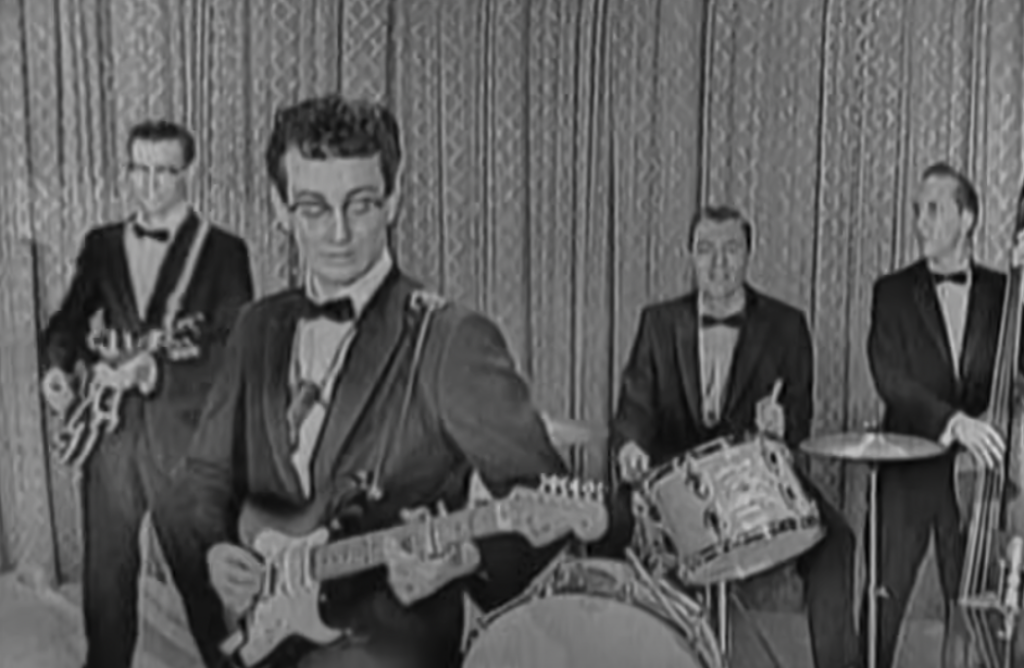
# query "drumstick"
(776, 388)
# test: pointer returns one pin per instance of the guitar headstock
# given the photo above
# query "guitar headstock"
(559, 506)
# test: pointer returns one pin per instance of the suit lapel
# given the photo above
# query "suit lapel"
(749, 344)
(277, 356)
(171, 268)
(120, 277)
(927, 304)
(981, 305)
(688, 356)
(378, 334)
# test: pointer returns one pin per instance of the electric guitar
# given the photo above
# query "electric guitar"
(298, 558)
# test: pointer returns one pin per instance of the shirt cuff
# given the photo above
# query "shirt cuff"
(946, 439)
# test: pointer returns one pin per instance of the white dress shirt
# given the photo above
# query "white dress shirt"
(146, 256)
(319, 351)
(953, 302)
(716, 346)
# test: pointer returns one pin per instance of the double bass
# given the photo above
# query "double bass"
(982, 630)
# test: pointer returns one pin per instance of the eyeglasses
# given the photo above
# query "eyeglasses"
(352, 210)
(160, 171)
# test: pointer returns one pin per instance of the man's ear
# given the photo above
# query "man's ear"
(282, 219)
(968, 223)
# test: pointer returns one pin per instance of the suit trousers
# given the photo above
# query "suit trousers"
(827, 570)
(120, 480)
(915, 501)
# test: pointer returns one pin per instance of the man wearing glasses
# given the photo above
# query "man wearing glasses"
(351, 400)
(131, 354)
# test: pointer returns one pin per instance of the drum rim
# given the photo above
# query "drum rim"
(694, 651)
(701, 558)
(658, 473)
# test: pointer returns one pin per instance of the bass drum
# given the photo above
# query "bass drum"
(595, 613)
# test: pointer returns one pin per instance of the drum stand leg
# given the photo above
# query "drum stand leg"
(873, 589)
(721, 607)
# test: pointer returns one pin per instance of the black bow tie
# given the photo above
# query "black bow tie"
(142, 232)
(959, 278)
(339, 310)
(735, 321)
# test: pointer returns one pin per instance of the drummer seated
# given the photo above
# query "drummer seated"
(723, 361)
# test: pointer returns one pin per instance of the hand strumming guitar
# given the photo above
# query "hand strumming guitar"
(236, 575)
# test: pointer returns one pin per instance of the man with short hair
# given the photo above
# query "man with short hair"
(728, 360)
(932, 346)
(350, 400)
(138, 338)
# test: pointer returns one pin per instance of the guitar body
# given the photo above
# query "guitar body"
(298, 557)
(289, 604)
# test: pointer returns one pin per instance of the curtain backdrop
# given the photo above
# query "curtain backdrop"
(554, 150)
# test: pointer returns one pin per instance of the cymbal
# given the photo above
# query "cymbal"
(872, 447)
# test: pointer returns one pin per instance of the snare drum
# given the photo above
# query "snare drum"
(595, 613)
(730, 509)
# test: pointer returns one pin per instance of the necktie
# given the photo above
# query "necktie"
(306, 395)
(958, 278)
(142, 232)
(735, 321)
(339, 310)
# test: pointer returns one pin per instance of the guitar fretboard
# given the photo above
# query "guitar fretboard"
(361, 553)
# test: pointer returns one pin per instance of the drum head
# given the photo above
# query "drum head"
(579, 631)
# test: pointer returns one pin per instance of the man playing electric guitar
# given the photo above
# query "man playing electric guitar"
(347, 402)
(129, 357)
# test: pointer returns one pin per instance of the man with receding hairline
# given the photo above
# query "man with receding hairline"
(728, 360)
(932, 346)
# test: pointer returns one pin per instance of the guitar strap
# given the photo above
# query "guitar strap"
(427, 303)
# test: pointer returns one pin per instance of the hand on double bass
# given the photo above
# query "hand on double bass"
(980, 438)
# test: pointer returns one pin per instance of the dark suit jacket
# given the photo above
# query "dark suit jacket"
(909, 351)
(221, 284)
(660, 400)
(469, 409)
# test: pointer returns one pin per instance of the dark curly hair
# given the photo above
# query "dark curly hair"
(333, 126)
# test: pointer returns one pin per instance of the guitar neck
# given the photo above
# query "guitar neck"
(361, 553)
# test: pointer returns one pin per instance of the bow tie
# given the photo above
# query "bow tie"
(959, 278)
(142, 232)
(339, 310)
(735, 321)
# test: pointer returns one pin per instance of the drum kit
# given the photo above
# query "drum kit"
(718, 514)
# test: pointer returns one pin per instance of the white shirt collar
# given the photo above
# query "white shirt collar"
(175, 218)
(360, 292)
(736, 304)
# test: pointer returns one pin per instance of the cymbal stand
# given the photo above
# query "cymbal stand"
(874, 591)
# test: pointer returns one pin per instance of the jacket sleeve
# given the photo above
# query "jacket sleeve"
(487, 413)
(635, 417)
(198, 508)
(65, 335)
(887, 356)
(797, 396)
(234, 291)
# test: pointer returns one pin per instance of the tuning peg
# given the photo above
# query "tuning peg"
(574, 487)
(588, 489)
(545, 484)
